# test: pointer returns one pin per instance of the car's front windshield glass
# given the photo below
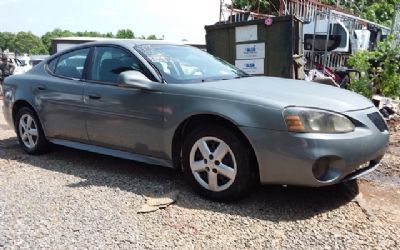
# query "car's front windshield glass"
(186, 64)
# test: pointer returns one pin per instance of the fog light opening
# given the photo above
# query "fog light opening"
(321, 168)
(328, 168)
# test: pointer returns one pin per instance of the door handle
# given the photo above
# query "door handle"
(94, 96)
(41, 87)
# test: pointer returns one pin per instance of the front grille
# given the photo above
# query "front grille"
(378, 121)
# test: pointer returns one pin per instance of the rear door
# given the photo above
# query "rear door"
(122, 118)
(60, 98)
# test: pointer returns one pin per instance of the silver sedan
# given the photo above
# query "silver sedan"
(176, 106)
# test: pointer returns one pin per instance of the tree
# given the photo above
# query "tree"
(109, 34)
(380, 11)
(49, 36)
(125, 33)
(152, 37)
(260, 6)
(380, 70)
(26, 42)
(89, 34)
(7, 40)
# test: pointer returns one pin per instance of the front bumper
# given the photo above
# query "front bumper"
(374, 164)
(288, 158)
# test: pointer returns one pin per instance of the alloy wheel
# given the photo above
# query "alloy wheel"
(213, 164)
(28, 131)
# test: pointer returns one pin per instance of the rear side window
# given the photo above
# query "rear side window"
(70, 64)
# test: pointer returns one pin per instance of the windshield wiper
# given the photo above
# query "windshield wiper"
(217, 79)
(247, 75)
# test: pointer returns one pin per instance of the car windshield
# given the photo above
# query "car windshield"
(186, 64)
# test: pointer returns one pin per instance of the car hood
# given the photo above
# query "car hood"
(286, 92)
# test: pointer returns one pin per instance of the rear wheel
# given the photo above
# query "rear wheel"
(217, 163)
(29, 131)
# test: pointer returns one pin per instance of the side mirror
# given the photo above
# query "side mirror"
(134, 79)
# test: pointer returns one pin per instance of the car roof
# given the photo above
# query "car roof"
(129, 42)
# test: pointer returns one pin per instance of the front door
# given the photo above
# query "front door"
(121, 118)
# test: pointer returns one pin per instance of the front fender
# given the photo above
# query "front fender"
(179, 108)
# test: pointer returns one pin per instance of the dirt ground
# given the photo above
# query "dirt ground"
(381, 189)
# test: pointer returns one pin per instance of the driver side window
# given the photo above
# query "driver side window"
(109, 62)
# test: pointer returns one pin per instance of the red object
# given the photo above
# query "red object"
(328, 72)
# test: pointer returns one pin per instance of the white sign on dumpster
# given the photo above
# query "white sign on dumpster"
(246, 33)
(250, 51)
(252, 67)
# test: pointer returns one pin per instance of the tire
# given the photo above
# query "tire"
(217, 163)
(30, 133)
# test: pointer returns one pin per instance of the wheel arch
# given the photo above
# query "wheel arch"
(24, 103)
(198, 119)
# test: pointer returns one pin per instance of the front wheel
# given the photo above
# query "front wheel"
(217, 163)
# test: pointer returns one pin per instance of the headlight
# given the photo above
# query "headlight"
(308, 120)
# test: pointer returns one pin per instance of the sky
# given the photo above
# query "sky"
(173, 19)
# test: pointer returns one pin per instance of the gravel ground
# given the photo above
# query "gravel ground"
(70, 199)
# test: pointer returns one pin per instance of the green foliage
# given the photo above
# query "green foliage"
(262, 6)
(89, 34)
(380, 11)
(26, 42)
(380, 70)
(49, 36)
(109, 35)
(329, 2)
(7, 40)
(360, 61)
(153, 37)
(388, 72)
(125, 33)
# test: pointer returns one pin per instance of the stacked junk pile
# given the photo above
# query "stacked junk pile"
(307, 40)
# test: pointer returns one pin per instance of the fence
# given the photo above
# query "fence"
(333, 60)
(228, 15)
